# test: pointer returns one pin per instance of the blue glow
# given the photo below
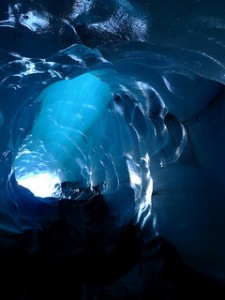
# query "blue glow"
(58, 141)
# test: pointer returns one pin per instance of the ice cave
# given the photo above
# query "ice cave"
(111, 155)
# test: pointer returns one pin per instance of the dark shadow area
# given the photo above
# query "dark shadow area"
(77, 261)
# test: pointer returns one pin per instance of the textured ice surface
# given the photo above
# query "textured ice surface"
(164, 65)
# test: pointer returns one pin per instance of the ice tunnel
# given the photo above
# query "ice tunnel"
(112, 149)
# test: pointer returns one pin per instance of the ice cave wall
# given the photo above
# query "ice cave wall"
(174, 49)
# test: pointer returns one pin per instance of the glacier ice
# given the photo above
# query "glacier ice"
(71, 111)
(155, 156)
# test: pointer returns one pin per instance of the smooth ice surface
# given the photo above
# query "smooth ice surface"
(69, 109)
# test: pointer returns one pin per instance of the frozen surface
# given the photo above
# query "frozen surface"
(155, 150)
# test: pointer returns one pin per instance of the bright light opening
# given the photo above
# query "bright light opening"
(41, 185)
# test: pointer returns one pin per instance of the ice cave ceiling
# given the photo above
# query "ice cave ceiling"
(143, 129)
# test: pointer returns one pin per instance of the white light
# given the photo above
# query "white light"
(135, 179)
(41, 185)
